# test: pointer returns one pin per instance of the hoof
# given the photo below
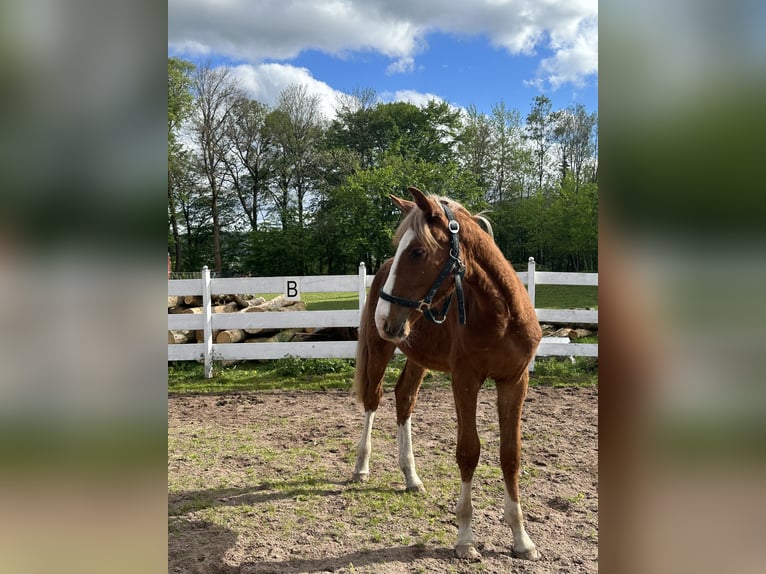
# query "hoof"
(419, 488)
(360, 477)
(467, 552)
(528, 554)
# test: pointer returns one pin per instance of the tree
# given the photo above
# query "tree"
(249, 156)
(180, 99)
(511, 158)
(474, 146)
(574, 132)
(540, 125)
(428, 133)
(215, 93)
(351, 128)
(180, 104)
(296, 129)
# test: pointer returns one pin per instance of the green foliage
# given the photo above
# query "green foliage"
(566, 297)
(563, 372)
(295, 366)
(284, 374)
(297, 195)
(179, 95)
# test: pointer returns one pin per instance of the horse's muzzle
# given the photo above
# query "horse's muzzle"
(392, 323)
(395, 331)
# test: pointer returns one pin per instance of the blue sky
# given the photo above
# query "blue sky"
(464, 52)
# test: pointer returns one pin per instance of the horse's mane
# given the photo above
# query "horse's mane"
(416, 220)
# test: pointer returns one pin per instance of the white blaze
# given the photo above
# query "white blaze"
(384, 307)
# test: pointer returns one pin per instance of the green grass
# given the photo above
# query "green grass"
(563, 372)
(566, 296)
(283, 374)
(324, 374)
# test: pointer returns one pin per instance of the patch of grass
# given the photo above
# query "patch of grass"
(293, 373)
(296, 367)
(566, 296)
(577, 499)
(565, 372)
(283, 374)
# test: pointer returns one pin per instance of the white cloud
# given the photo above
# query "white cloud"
(281, 29)
(264, 82)
(401, 66)
(574, 60)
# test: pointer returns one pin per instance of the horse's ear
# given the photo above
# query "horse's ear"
(404, 205)
(429, 207)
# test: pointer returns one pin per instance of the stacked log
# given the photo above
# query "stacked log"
(232, 304)
(574, 333)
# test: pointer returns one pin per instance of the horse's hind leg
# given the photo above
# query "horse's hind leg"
(510, 400)
(406, 395)
(368, 383)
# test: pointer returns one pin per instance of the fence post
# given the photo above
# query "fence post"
(207, 313)
(531, 291)
(362, 288)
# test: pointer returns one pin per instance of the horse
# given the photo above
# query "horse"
(442, 250)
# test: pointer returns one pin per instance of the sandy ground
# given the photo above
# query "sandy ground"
(258, 483)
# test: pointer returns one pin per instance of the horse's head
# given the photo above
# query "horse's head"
(423, 245)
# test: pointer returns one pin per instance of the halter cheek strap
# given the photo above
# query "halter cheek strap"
(454, 266)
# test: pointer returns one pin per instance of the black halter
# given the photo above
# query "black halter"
(453, 265)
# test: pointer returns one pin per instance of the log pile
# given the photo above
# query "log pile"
(248, 304)
(573, 333)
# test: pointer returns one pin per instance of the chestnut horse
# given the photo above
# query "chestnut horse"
(475, 321)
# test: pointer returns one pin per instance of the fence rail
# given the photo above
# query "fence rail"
(207, 321)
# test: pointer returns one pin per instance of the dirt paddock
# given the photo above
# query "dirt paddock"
(258, 482)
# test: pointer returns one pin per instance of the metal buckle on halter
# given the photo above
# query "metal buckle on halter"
(453, 226)
(423, 306)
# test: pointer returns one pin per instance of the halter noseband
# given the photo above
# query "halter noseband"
(453, 265)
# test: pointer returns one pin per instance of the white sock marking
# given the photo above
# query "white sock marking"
(513, 516)
(464, 513)
(364, 448)
(406, 458)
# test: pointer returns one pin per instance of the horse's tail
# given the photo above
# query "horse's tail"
(372, 352)
(362, 355)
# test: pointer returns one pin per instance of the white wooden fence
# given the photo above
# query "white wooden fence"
(209, 321)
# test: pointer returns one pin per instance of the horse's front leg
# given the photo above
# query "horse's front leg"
(510, 400)
(372, 358)
(406, 396)
(465, 391)
(364, 449)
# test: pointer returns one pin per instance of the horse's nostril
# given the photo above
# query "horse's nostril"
(392, 331)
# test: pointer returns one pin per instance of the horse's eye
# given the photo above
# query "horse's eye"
(418, 252)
